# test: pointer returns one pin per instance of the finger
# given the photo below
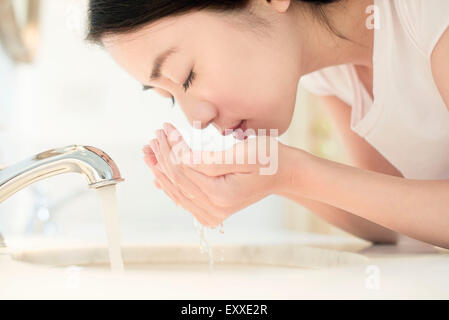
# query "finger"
(146, 149)
(201, 201)
(154, 169)
(150, 160)
(174, 171)
(150, 156)
(173, 135)
(159, 181)
(187, 204)
(164, 151)
(195, 192)
(203, 181)
(240, 158)
(191, 186)
(155, 145)
(213, 163)
(170, 195)
(166, 147)
(205, 203)
(226, 186)
(179, 148)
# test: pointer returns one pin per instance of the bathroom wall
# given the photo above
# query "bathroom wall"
(75, 94)
(6, 105)
(6, 99)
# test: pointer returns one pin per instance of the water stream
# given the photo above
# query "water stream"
(108, 199)
(205, 247)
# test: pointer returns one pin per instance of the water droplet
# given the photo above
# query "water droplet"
(204, 244)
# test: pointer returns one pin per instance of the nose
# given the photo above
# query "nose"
(202, 114)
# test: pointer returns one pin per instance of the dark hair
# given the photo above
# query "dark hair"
(121, 16)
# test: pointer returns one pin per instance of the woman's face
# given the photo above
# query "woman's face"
(220, 68)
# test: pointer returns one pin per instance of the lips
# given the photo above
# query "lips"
(241, 125)
(228, 131)
(239, 131)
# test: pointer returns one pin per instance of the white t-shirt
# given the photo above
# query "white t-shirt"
(408, 121)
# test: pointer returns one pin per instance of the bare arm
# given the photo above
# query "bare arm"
(363, 156)
(417, 208)
(376, 190)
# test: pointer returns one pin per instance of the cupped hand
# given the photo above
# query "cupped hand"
(214, 185)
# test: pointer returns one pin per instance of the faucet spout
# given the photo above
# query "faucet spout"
(99, 169)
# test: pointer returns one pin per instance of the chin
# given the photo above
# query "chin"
(265, 130)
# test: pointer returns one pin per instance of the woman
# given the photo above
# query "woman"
(381, 68)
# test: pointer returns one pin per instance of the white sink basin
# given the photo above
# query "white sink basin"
(188, 257)
(306, 267)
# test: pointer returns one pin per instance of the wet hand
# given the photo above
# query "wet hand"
(215, 185)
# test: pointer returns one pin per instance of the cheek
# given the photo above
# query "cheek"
(230, 100)
(270, 108)
(236, 97)
(251, 89)
(274, 110)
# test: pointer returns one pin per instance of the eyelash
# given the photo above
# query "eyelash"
(186, 85)
(189, 80)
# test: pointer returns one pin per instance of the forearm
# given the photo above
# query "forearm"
(417, 208)
(346, 221)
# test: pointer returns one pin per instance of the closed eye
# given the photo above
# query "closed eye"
(186, 85)
(151, 87)
(189, 80)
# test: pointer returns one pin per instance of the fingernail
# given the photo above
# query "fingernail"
(154, 145)
(159, 133)
(145, 149)
(174, 136)
(166, 128)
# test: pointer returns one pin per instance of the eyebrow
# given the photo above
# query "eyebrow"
(158, 64)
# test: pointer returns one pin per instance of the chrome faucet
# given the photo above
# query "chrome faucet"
(99, 169)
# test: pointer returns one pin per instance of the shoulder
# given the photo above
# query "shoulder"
(330, 81)
(426, 23)
(424, 20)
(440, 66)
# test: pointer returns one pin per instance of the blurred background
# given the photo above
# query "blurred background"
(56, 89)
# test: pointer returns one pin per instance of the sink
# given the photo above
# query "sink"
(276, 267)
(299, 267)
(187, 257)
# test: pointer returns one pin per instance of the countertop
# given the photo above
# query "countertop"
(410, 270)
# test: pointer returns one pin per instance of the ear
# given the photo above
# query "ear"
(280, 5)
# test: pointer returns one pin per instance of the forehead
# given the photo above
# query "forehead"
(138, 49)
